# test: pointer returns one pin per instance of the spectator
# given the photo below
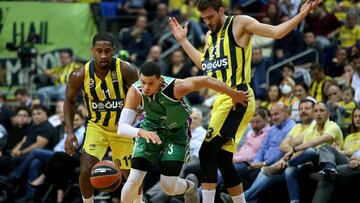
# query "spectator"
(349, 105)
(273, 96)
(316, 87)
(301, 93)
(324, 25)
(37, 159)
(267, 177)
(39, 134)
(154, 56)
(19, 126)
(355, 81)
(346, 78)
(287, 87)
(23, 98)
(137, 41)
(5, 116)
(349, 34)
(293, 43)
(178, 68)
(289, 7)
(324, 131)
(260, 66)
(59, 76)
(269, 151)
(336, 67)
(160, 24)
(335, 96)
(310, 58)
(334, 160)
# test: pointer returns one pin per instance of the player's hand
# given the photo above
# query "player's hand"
(309, 5)
(71, 143)
(240, 97)
(178, 31)
(149, 136)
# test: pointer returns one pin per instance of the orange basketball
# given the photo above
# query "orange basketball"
(105, 176)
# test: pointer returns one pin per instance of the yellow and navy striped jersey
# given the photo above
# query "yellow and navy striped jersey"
(224, 59)
(64, 72)
(316, 89)
(104, 99)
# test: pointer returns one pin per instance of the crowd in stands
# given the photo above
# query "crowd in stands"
(304, 137)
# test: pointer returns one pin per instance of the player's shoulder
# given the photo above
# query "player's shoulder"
(78, 72)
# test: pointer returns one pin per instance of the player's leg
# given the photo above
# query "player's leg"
(144, 155)
(238, 122)
(94, 149)
(175, 150)
(226, 125)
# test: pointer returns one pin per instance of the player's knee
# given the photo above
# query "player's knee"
(168, 184)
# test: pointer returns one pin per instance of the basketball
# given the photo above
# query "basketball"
(105, 176)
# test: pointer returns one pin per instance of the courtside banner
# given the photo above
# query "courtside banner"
(46, 27)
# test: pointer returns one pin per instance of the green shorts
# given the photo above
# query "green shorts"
(174, 146)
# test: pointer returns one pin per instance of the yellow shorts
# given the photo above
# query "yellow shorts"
(228, 123)
(97, 141)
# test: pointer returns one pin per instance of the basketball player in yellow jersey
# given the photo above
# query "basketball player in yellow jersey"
(227, 57)
(103, 82)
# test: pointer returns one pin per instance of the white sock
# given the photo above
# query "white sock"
(239, 198)
(89, 200)
(208, 196)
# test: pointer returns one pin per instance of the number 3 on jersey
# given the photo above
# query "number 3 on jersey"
(170, 149)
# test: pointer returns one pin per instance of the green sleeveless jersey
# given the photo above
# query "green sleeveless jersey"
(162, 111)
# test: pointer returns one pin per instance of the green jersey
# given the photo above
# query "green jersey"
(162, 110)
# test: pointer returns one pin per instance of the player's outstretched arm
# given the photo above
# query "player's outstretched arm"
(253, 26)
(192, 84)
(73, 86)
(127, 118)
(180, 34)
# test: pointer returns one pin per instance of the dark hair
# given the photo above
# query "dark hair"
(304, 85)
(21, 91)
(103, 36)
(290, 66)
(317, 66)
(352, 90)
(307, 100)
(23, 108)
(262, 112)
(150, 69)
(354, 129)
(202, 5)
(40, 107)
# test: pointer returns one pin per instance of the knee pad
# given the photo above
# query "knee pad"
(227, 169)
(168, 184)
(209, 154)
(132, 184)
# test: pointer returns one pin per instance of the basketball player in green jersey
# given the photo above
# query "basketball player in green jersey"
(164, 128)
(103, 82)
(227, 57)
